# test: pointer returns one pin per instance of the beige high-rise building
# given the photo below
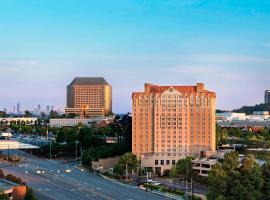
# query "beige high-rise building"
(89, 97)
(172, 122)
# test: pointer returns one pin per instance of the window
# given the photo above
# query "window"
(162, 162)
(167, 162)
(173, 162)
(156, 162)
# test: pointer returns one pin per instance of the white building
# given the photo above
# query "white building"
(257, 116)
(70, 122)
(230, 116)
(26, 120)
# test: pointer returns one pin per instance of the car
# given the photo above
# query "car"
(156, 183)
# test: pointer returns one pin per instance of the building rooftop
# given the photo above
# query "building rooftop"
(89, 81)
(199, 88)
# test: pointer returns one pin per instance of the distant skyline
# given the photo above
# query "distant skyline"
(45, 44)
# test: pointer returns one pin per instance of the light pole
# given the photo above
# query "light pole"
(126, 172)
(76, 143)
(50, 149)
(81, 157)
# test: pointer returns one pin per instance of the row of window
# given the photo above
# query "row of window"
(163, 162)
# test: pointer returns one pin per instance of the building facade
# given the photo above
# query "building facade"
(172, 122)
(71, 122)
(267, 96)
(89, 97)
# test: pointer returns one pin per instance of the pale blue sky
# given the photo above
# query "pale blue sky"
(44, 44)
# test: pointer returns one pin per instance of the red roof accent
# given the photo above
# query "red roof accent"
(150, 88)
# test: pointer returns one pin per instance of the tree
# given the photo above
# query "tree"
(251, 178)
(127, 159)
(27, 113)
(266, 184)
(228, 180)
(217, 183)
(231, 161)
(3, 196)
(3, 114)
(250, 109)
(221, 135)
(29, 194)
(173, 175)
(54, 114)
(184, 167)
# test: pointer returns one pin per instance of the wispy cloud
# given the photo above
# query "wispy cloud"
(24, 62)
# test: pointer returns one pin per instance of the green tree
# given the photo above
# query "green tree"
(3, 196)
(217, 183)
(3, 114)
(229, 181)
(221, 135)
(266, 183)
(173, 175)
(251, 178)
(184, 167)
(29, 194)
(27, 113)
(231, 161)
(127, 159)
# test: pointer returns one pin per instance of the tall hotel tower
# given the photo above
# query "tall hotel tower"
(172, 122)
(89, 97)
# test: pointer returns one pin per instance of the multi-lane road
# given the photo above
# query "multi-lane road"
(50, 181)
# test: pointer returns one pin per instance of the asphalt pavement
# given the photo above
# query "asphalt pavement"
(50, 181)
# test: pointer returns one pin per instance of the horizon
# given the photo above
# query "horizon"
(45, 44)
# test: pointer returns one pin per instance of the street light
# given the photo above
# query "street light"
(76, 142)
(81, 157)
(50, 149)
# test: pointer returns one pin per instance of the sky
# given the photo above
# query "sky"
(45, 44)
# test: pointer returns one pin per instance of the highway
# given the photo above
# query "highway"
(50, 181)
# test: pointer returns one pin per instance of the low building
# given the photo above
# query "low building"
(230, 116)
(13, 144)
(105, 164)
(203, 166)
(70, 122)
(24, 120)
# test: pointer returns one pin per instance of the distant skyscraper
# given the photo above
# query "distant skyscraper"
(5, 110)
(89, 97)
(267, 96)
(47, 108)
(39, 108)
(14, 110)
(52, 108)
(172, 122)
(18, 108)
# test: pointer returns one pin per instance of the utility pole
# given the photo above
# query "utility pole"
(81, 156)
(126, 172)
(50, 150)
(76, 142)
(186, 190)
(192, 193)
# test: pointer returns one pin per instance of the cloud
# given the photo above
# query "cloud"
(24, 62)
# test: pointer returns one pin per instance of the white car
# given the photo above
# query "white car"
(155, 183)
